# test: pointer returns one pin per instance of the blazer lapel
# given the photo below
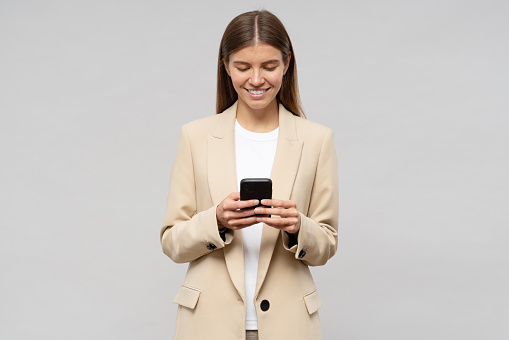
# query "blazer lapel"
(284, 171)
(222, 178)
(221, 172)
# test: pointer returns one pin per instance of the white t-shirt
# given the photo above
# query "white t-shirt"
(254, 156)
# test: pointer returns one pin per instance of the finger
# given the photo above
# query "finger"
(292, 229)
(246, 204)
(279, 223)
(282, 212)
(235, 205)
(241, 223)
(279, 203)
(227, 203)
(242, 213)
(234, 196)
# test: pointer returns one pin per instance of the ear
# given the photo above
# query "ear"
(287, 62)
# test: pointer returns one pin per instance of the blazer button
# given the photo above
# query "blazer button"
(211, 246)
(302, 254)
(265, 305)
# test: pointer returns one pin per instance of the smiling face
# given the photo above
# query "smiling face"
(257, 72)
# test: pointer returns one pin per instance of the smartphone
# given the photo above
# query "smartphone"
(255, 188)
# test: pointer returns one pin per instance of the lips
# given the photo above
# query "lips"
(257, 92)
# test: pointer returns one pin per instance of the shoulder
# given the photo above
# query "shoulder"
(201, 126)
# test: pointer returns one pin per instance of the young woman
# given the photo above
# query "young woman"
(248, 274)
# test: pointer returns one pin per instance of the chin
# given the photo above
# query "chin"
(258, 104)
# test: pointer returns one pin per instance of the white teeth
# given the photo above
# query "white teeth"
(256, 91)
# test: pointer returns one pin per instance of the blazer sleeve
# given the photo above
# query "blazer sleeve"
(317, 240)
(188, 234)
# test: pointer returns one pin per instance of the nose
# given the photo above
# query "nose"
(256, 78)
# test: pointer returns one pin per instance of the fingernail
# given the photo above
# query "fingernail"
(257, 210)
(258, 219)
(264, 201)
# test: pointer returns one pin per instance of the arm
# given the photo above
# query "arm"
(188, 234)
(317, 237)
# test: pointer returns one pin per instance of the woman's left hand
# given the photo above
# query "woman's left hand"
(289, 217)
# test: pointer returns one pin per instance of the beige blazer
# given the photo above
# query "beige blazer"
(212, 300)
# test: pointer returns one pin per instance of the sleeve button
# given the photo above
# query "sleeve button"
(302, 254)
(211, 246)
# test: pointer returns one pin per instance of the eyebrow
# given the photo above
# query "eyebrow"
(264, 63)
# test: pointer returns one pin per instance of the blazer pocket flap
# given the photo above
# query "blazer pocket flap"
(313, 302)
(187, 297)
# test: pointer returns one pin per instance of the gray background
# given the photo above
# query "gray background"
(93, 94)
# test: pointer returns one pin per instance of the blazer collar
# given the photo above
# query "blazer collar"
(226, 123)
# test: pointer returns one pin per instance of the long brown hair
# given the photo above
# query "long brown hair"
(246, 30)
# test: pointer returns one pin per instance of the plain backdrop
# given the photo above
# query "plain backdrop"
(92, 97)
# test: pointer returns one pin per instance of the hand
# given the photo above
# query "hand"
(289, 217)
(229, 215)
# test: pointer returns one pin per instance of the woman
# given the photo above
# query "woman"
(248, 272)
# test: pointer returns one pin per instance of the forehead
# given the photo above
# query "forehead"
(257, 53)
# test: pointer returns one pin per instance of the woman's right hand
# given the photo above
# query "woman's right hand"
(229, 215)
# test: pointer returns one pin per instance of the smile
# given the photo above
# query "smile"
(257, 92)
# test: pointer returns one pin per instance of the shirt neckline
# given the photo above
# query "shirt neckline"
(258, 136)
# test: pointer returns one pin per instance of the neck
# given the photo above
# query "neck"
(258, 120)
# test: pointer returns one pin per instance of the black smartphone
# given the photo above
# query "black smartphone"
(255, 188)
